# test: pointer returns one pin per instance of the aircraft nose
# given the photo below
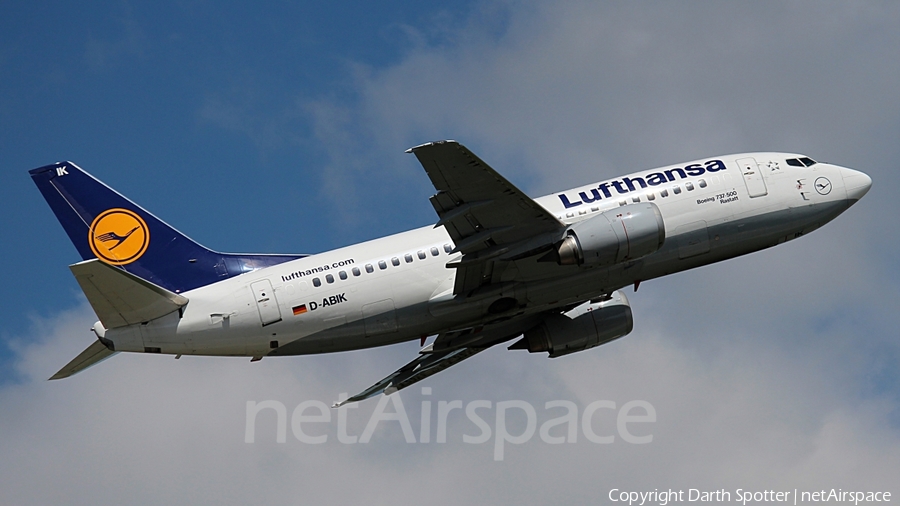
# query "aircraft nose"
(856, 183)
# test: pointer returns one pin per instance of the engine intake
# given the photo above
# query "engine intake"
(618, 235)
(586, 326)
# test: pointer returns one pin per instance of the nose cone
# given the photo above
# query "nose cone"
(856, 183)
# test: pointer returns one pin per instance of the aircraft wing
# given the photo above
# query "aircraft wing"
(449, 348)
(488, 218)
(425, 365)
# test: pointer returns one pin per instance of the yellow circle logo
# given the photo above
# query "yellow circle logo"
(118, 236)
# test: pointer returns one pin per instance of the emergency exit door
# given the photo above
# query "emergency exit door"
(266, 302)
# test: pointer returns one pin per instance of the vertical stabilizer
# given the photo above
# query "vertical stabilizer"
(104, 224)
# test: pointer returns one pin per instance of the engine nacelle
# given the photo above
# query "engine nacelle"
(618, 235)
(586, 326)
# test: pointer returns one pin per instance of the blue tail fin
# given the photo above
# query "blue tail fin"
(104, 224)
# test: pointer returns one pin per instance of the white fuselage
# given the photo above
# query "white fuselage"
(399, 287)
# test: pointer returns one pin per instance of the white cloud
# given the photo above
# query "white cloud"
(150, 429)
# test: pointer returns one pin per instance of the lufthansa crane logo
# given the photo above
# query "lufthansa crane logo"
(823, 185)
(118, 236)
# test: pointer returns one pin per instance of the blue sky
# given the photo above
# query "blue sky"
(198, 111)
(282, 128)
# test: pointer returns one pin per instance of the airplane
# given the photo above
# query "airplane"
(496, 266)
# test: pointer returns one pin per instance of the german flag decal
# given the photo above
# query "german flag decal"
(298, 310)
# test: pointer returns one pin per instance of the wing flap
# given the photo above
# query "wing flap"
(120, 298)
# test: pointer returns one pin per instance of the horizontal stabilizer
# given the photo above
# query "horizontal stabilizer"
(120, 298)
(94, 354)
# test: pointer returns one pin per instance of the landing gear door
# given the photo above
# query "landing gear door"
(266, 302)
(379, 317)
(753, 177)
(693, 239)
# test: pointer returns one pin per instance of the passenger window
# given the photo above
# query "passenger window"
(435, 252)
(664, 193)
(582, 212)
(676, 190)
(382, 264)
(408, 258)
(651, 196)
(329, 278)
(570, 215)
(369, 268)
(342, 275)
(702, 183)
(623, 202)
(395, 261)
(421, 255)
(356, 271)
(448, 248)
(595, 209)
(635, 199)
(317, 282)
(689, 186)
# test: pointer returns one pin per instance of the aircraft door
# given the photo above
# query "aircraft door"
(379, 317)
(266, 302)
(753, 177)
(693, 239)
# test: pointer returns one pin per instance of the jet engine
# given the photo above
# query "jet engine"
(588, 325)
(618, 235)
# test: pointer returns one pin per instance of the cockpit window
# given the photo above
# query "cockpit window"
(801, 162)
